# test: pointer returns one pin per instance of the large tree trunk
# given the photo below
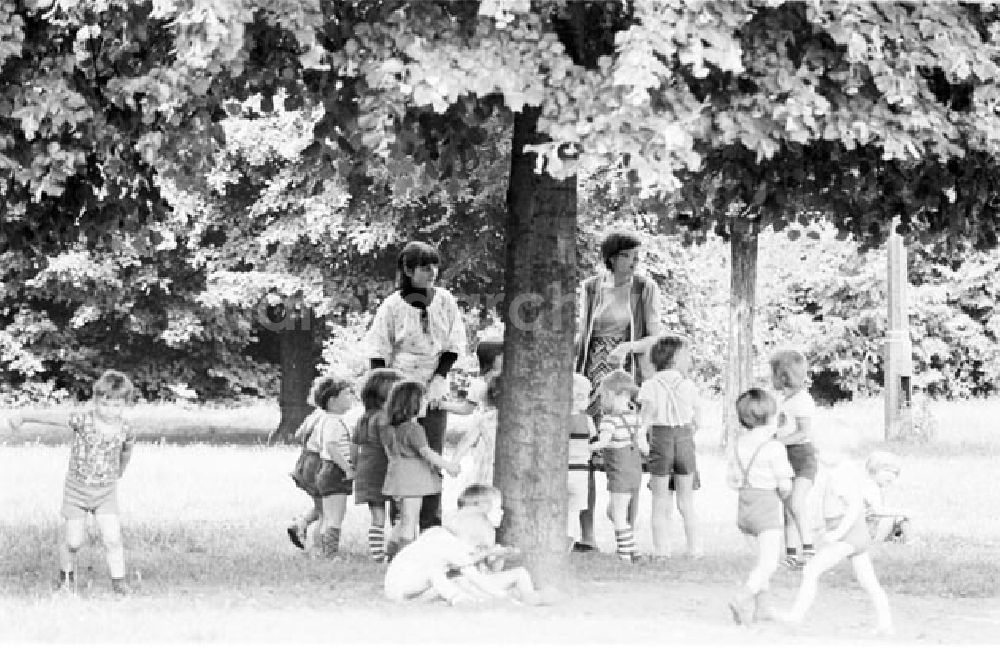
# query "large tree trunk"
(299, 355)
(742, 294)
(539, 316)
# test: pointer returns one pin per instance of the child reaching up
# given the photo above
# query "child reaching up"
(100, 449)
(671, 409)
(475, 453)
(622, 443)
(841, 492)
(758, 466)
(368, 454)
(795, 412)
(582, 438)
(490, 356)
(413, 469)
(466, 544)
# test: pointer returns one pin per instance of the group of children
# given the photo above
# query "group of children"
(775, 464)
(384, 458)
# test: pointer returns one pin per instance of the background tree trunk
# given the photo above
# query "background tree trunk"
(742, 301)
(299, 355)
(539, 313)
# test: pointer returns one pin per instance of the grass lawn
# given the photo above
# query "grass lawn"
(208, 556)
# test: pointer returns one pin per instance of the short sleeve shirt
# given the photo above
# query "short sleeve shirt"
(436, 550)
(622, 427)
(843, 484)
(671, 399)
(96, 450)
(801, 404)
(768, 468)
(334, 436)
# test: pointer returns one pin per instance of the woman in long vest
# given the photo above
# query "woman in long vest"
(419, 331)
(619, 316)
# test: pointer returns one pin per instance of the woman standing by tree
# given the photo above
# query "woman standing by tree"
(619, 317)
(419, 331)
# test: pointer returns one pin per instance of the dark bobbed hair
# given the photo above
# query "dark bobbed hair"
(755, 408)
(375, 391)
(413, 255)
(789, 368)
(663, 351)
(616, 241)
(404, 401)
(325, 388)
(487, 352)
(113, 385)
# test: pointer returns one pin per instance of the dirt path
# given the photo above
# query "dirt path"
(650, 613)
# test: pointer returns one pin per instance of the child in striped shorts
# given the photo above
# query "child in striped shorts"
(99, 451)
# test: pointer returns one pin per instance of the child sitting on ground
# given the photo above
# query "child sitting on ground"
(884, 524)
(758, 466)
(420, 571)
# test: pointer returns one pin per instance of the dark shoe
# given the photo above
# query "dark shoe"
(583, 547)
(293, 536)
(66, 582)
(119, 587)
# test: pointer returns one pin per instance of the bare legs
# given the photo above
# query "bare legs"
(828, 557)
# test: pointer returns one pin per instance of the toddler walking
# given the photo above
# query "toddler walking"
(758, 467)
(99, 452)
(841, 490)
(413, 469)
(368, 454)
(304, 474)
(622, 444)
(671, 409)
(334, 396)
(795, 412)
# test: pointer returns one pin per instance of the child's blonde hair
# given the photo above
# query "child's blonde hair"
(615, 382)
(113, 385)
(581, 382)
(478, 495)
(789, 369)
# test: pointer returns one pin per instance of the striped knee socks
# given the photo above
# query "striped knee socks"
(376, 543)
(625, 540)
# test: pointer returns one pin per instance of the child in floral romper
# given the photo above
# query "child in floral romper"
(100, 449)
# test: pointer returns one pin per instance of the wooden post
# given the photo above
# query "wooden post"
(742, 296)
(898, 352)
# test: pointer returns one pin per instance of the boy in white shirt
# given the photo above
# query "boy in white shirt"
(670, 409)
(466, 544)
